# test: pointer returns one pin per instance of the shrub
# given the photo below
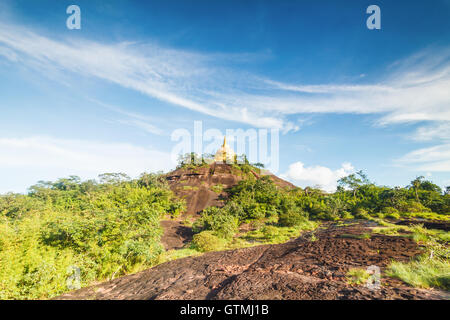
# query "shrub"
(389, 210)
(207, 241)
(392, 215)
(361, 213)
(176, 208)
(218, 220)
(218, 188)
(270, 232)
(413, 207)
(319, 210)
(235, 209)
(346, 215)
(254, 211)
(291, 218)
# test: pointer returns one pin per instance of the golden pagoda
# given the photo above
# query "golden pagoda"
(225, 154)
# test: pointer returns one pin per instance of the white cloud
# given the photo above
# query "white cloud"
(321, 176)
(437, 131)
(150, 128)
(9, 54)
(417, 90)
(436, 158)
(63, 157)
(133, 119)
(182, 78)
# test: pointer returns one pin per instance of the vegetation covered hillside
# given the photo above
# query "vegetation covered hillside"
(105, 229)
(274, 210)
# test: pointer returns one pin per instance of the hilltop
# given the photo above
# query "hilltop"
(206, 185)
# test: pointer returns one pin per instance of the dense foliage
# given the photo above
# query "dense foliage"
(261, 200)
(103, 229)
(252, 200)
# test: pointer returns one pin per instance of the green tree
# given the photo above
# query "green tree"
(259, 165)
(354, 181)
(415, 185)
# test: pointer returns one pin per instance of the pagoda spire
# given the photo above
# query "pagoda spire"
(225, 154)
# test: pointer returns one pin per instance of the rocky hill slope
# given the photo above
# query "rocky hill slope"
(313, 266)
(206, 186)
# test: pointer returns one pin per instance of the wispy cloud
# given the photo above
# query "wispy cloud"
(142, 125)
(132, 118)
(436, 131)
(414, 89)
(177, 77)
(436, 158)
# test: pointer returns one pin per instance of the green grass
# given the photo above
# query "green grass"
(357, 276)
(239, 243)
(390, 230)
(190, 188)
(426, 215)
(422, 272)
(356, 236)
(272, 234)
(177, 254)
(218, 188)
(345, 223)
(421, 234)
(208, 241)
(417, 232)
(188, 222)
(429, 270)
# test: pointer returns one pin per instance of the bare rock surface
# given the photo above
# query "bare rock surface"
(206, 186)
(176, 235)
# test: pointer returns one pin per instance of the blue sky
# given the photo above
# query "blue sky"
(107, 97)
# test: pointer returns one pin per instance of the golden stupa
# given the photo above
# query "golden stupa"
(225, 154)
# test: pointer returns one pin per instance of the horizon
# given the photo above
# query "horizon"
(109, 96)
